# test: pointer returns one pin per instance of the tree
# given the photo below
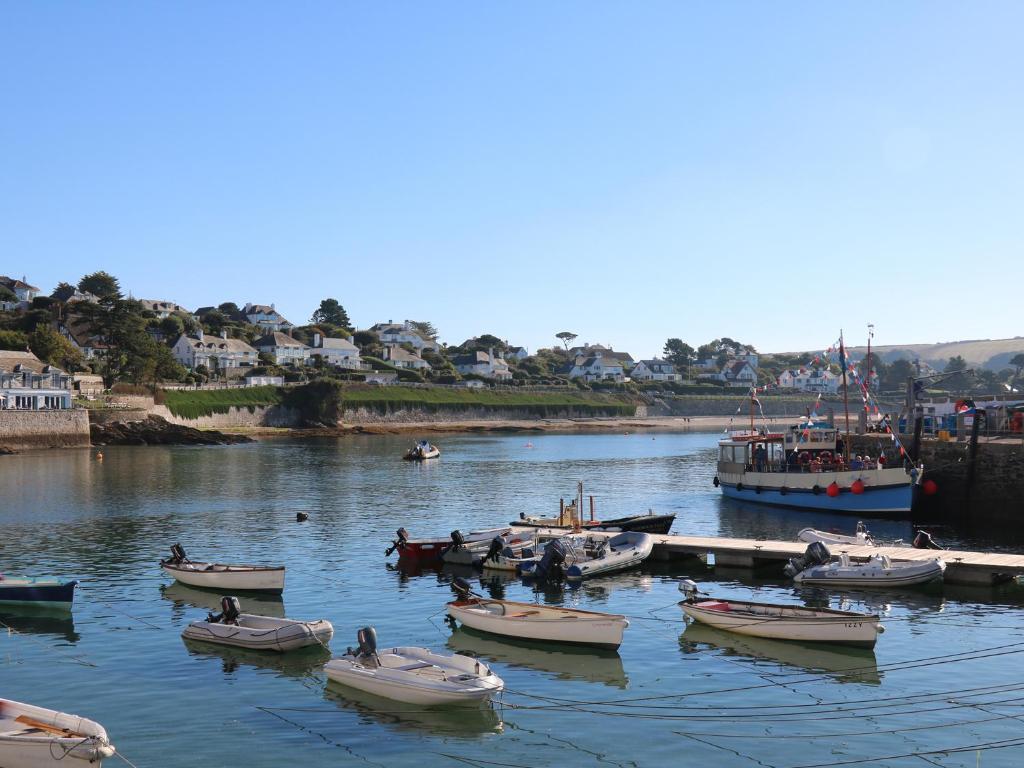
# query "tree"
(214, 321)
(230, 309)
(425, 329)
(364, 339)
(566, 337)
(680, 354)
(331, 312)
(959, 381)
(50, 347)
(13, 340)
(6, 294)
(101, 284)
(63, 291)
(1017, 361)
(172, 327)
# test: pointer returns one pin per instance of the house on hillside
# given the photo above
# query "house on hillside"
(517, 353)
(595, 367)
(655, 370)
(162, 309)
(404, 333)
(283, 348)
(403, 358)
(29, 384)
(815, 380)
(78, 330)
(21, 289)
(216, 353)
(481, 363)
(341, 353)
(266, 318)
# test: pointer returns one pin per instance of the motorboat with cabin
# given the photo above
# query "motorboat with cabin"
(805, 467)
(227, 578)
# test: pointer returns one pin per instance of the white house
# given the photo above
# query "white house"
(283, 348)
(266, 317)
(596, 367)
(655, 370)
(29, 384)
(404, 333)
(215, 352)
(20, 288)
(814, 380)
(337, 352)
(483, 364)
(162, 309)
(739, 373)
(517, 353)
(403, 358)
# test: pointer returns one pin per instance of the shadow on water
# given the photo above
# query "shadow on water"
(50, 622)
(184, 597)
(565, 662)
(846, 665)
(458, 722)
(294, 664)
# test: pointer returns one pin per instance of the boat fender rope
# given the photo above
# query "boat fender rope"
(816, 490)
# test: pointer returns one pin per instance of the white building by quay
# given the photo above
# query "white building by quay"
(29, 384)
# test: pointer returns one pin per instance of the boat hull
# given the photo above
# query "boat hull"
(875, 501)
(59, 596)
(262, 633)
(656, 524)
(526, 621)
(36, 747)
(424, 551)
(262, 579)
(837, 575)
(857, 630)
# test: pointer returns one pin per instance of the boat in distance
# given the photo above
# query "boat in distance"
(24, 591)
(804, 468)
(34, 737)
(258, 633)
(533, 621)
(413, 675)
(781, 622)
(227, 578)
(422, 451)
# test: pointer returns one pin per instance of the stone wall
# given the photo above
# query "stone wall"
(25, 430)
(363, 415)
(246, 416)
(996, 493)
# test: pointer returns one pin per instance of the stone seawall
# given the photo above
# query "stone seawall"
(245, 416)
(363, 415)
(25, 430)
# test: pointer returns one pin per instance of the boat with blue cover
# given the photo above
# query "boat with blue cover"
(44, 592)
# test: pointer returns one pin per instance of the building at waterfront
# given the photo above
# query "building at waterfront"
(29, 384)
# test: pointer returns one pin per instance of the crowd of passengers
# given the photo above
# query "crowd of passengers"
(819, 461)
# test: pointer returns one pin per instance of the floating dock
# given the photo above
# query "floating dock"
(962, 567)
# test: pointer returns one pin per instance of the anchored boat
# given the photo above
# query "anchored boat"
(781, 622)
(257, 633)
(816, 567)
(861, 538)
(422, 451)
(38, 593)
(532, 621)
(34, 737)
(581, 557)
(227, 578)
(413, 675)
(426, 551)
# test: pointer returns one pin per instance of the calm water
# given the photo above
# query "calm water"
(947, 674)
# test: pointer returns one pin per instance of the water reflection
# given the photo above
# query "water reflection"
(184, 597)
(49, 622)
(294, 664)
(847, 665)
(565, 662)
(459, 722)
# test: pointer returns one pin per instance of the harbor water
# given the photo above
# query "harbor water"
(944, 686)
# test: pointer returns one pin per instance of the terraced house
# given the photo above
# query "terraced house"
(216, 353)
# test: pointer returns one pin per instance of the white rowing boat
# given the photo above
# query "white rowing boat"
(34, 737)
(258, 633)
(860, 538)
(227, 578)
(532, 621)
(413, 675)
(781, 622)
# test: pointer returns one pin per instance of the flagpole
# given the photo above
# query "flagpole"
(846, 402)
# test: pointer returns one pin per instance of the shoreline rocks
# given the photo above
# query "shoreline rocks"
(155, 430)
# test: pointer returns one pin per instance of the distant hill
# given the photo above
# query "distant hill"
(981, 353)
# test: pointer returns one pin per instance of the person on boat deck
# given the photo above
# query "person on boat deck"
(816, 464)
(761, 458)
(856, 463)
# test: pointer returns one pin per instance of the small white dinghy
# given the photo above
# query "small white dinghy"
(257, 633)
(619, 553)
(816, 568)
(227, 578)
(531, 621)
(781, 622)
(861, 537)
(33, 737)
(413, 675)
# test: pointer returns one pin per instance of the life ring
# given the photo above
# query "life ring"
(816, 490)
(739, 486)
(716, 482)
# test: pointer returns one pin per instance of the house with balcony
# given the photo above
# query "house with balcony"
(216, 353)
(404, 333)
(266, 318)
(655, 370)
(29, 384)
(283, 348)
(482, 363)
(340, 353)
(403, 358)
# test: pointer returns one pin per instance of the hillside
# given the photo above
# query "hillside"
(980, 353)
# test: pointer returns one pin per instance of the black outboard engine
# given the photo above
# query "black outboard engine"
(367, 639)
(178, 555)
(551, 564)
(924, 540)
(230, 610)
(497, 548)
(458, 540)
(399, 543)
(462, 589)
(815, 554)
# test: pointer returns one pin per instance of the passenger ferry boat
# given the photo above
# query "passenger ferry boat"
(804, 467)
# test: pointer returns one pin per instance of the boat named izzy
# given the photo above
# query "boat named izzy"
(804, 467)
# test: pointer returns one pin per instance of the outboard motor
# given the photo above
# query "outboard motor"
(497, 548)
(399, 543)
(458, 540)
(462, 589)
(367, 640)
(815, 554)
(551, 564)
(923, 540)
(229, 611)
(178, 555)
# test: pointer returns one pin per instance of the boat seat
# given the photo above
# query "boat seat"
(521, 614)
(411, 667)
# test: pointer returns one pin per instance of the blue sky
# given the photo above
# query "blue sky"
(626, 171)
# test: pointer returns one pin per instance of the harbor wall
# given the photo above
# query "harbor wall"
(244, 416)
(413, 415)
(26, 430)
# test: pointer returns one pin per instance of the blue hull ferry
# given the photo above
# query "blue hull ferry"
(804, 468)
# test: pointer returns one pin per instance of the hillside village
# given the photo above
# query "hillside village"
(88, 337)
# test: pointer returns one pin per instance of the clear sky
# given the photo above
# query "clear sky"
(627, 171)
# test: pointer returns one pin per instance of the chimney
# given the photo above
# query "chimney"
(223, 334)
(272, 305)
(199, 333)
(318, 340)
